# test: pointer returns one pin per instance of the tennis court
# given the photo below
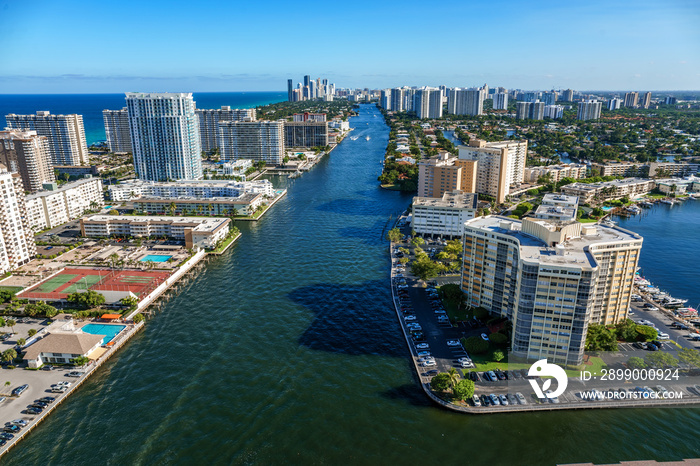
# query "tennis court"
(75, 280)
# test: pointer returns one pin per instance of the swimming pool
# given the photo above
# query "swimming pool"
(109, 331)
(608, 209)
(155, 258)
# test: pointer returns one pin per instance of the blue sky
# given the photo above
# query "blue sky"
(116, 46)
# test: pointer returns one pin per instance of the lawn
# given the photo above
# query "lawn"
(224, 244)
(588, 220)
(485, 362)
(12, 289)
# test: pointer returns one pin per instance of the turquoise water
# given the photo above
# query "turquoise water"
(286, 350)
(155, 258)
(607, 209)
(110, 331)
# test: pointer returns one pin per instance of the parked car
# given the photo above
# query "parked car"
(521, 399)
(423, 346)
(32, 411)
(503, 399)
(19, 390)
(453, 343)
(429, 363)
(552, 399)
(18, 422)
(12, 429)
(6, 436)
(475, 400)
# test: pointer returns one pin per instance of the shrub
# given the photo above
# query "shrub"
(646, 333)
(498, 339)
(481, 313)
(498, 356)
(475, 345)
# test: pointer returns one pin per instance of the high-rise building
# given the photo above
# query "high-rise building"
(306, 134)
(549, 98)
(553, 111)
(409, 99)
(117, 130)
(529, 110)
(646, 101)
(589, 110)
(307, 80)
(17, 245)
(209, 123)
(65, 134)
(445, 173)
(397, 100)
(385, 99)
(465, 101)
(307, 116)
(27, 153)
(290, 88)
(550, 278)
(165, 136)
(428, 103)
(500, 165)
(500, 101)
(261, 141)
(55, 206)
(631, 99)
(568, 95)
(614, 104)
(670, 100)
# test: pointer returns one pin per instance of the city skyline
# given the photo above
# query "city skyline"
(647, 45)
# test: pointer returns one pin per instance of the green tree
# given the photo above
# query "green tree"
(454, 376)
(475, 345)
(498, 339)
(31, 332)
(661, 359)
(440, 382)
(600, 338)
(451, 292)
(21, 341)
(138, 318)
(481, 313)
(498, 356)
(404, 260)
(627, 330)
(690, 356)
(424, 268)
(9, 355)
(636, 363)
(11, 323)
(87, 300)
(394, 235)
(6, 296)
(647, 333)
(130, 302)
(80, 361)
(464, 389)
(417, 241)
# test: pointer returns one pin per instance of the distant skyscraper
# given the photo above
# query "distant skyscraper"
(117, 130)
(500, 101)
(65, 134)
(165, 136)
(549, 98)
(209, 123)
(647, 100)
(530, 110)
(290, 89)
(385, 99)
(397, 100)
(465, 101)
(670, 100)
(553, 111)
(614, 104)
(589, 110)
(255, 140)
(631, 99)
(28, 154)
(428, 103)
(568, 95)
(307, 80)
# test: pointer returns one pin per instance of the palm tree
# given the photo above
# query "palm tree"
(200, 208)
(210, 208)
(234, 212)
(454, 376)
(11, 323)
(172, 208)
(113, 258)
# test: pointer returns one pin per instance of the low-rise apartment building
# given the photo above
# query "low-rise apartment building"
(195, 189)
(443, 216)
(193, 231)
(245, 204)
(555, 172)
(616, 189)
(627, 169)
(667, 169)
(55, 206)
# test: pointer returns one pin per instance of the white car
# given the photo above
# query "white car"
(429, 363)
(453, 343)
(521, 398)
(409, 317)
(427, 358)
(423, 346)
(475, 400)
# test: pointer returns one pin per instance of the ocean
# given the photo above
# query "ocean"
(90, 106)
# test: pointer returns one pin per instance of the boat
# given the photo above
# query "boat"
(633, 209)
(295, 174)
(646, 204)
(367, 137)
(667, 201)
(674, 302)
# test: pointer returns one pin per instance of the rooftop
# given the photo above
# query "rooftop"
(66, 343)
(456, 199)
(201, 223)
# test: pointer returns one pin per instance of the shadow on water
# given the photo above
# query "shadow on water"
(351, 319)
(410, 393)
(352, 207)
(371, 236)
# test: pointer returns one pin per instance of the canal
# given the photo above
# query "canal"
(286, 350)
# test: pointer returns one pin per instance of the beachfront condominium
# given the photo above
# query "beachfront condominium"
(631, 99)
(397, 99)
(117, 130)
(65, 134)
(614, 104)
(500, 165)
(465, 101)
(165, 136)
(17, 245)
(500, 101)
(428, 103)
(554, 111)
(589, 110)
(260, 141)
(550, 279)
(646, 100)
(568, 95)
(290, 90)
(209, 123)
(27, 153)
(56, 206)
(550, 98)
